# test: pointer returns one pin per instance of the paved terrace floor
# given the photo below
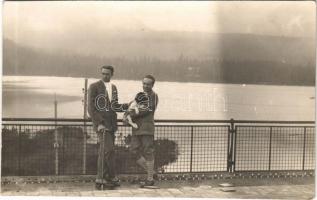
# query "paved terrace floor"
(251, 188)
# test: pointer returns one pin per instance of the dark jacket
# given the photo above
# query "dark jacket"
(145, 118)
(101, 109)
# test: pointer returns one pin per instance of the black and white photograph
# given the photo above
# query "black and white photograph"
(194, 99)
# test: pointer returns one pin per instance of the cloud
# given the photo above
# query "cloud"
(27, 22)
(296, 19)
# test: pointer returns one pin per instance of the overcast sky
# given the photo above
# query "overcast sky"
(268, 18)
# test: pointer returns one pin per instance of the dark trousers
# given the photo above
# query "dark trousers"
(143, 145)
(107, 169)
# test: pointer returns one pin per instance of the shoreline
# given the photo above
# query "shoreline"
(225, 83)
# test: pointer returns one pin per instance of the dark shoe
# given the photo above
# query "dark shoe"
(146, 183)
(104, 186)
(115, 182)
(98, 186)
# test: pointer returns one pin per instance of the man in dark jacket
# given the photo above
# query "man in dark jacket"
(142, 141)
(102, 107)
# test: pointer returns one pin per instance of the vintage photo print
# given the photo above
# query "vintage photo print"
(188, 99)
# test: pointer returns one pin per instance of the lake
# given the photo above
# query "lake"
(33, 96)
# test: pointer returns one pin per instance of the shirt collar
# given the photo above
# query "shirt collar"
(106, 83)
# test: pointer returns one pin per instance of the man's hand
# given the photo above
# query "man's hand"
(137, 111)
(132, 113)
(101, 128)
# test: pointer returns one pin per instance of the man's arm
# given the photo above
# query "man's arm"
(115, 106)
(92, 110)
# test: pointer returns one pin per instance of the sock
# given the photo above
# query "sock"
(142, 162)
(150, 170)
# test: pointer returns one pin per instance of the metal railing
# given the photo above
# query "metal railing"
(69, 146)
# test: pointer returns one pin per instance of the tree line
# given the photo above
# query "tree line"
(27, 61)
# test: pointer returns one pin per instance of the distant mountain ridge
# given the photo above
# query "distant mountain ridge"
(171, 56)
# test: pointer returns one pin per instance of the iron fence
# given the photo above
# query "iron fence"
(266, 148)
(34, 147)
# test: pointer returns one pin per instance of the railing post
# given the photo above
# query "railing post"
(63, 145)
(19, 151)
(191, 148)
(304, 149)
(234, 144)
(85, 127)
(56, 147)
(228, 149)
(56, 144)
(270, 148)
(85, 149)
(230, 159)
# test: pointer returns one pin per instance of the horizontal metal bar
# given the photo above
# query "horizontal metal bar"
(87, 125)
(119, 120)
(276, 171)
(159, 125)
(46, 119)
(180, 125)
(272, 122)
(275, 126)
(52, 125)
(164, 120)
